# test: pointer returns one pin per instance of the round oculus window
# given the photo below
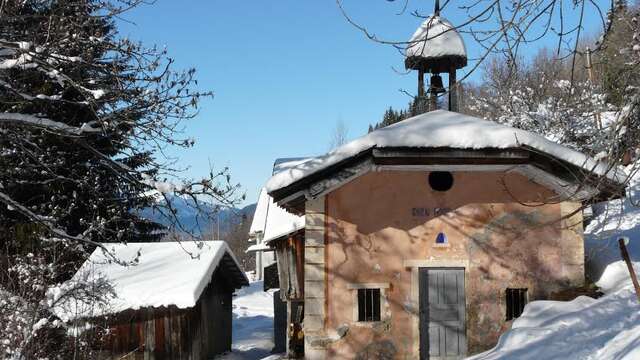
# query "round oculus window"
(440, 180)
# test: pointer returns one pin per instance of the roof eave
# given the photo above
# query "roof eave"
(238, 277)
(293, 196)
(435, 64)
(272, 242)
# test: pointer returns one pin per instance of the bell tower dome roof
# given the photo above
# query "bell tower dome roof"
(436, 46)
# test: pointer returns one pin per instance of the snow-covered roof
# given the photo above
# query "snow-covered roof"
(283, 164)
(260, 215)
(436, 38)
(259, 247)
(270, 219)
(273, 221)
(167, 273)
(443, 129)
(280, 222)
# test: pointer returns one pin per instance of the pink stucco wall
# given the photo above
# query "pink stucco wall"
(373, 229)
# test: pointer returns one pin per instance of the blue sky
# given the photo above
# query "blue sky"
(283, 72)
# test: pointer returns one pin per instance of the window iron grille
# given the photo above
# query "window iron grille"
(368, 304)
(516, 300)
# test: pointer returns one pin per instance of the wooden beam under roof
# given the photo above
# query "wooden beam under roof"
(293, 196)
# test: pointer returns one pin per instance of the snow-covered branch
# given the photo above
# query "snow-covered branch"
(28, 120)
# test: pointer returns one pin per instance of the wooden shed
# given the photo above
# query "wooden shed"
(173, 303)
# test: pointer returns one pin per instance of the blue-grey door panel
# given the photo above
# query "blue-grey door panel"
(442, 314)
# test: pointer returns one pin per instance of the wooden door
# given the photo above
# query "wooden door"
(442, 314)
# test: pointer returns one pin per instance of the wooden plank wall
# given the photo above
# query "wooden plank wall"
(290, 263)
(171, 333)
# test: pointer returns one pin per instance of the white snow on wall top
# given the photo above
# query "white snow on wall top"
(270, 219)
(436, 37)
(260, 214)
(258, 247)
(168, 273)
(280, 222)
(443, 128)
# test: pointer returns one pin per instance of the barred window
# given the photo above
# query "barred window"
(368, 304)
(516, 300)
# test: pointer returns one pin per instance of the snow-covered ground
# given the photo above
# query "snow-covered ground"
(252, 324)
(607, 328)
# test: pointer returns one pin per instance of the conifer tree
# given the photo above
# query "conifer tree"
(392, 116)
(614, 63)
(85, 116)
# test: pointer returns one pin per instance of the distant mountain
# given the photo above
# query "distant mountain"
(201, 223)
(249, 209)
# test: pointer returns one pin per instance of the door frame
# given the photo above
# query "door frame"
(415, 266)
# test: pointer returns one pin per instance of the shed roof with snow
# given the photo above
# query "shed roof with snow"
(163, 274)
(455, 141)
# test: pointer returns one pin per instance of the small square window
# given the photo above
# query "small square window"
(516, 300)
(368, 304)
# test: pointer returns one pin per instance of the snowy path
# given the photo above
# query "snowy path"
(252, 324)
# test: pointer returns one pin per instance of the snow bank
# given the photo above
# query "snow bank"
(612, 220)
(435, 38)
(442, 128)
(586, 328)
(615, 276)
(166, 273)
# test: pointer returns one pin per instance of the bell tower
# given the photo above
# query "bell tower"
(435, 48)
